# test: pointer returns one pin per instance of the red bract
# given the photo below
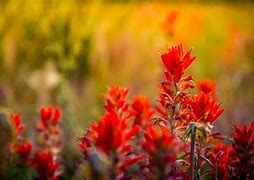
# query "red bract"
(24, 150)
(45, 166)
(18, 125)
(49, 116)
(116, 99)
(142, 109)
(243, 152)
(49, 132)
(207, 86)
(203, 108)
(163, 149)
(112, 132)
(219, 157)
(176, 62)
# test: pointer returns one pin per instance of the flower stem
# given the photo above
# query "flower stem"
(192, 153)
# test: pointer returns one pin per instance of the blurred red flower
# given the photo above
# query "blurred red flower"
(19, 126)
(49, 116)
(243, 152)
(45, 165)
(163, 149)
(207, 86)
(23, 150)
(142, 108)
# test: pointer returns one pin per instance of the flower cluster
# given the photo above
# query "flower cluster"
(174, 139)
(135, 139)
(49, 132)
(43, 160)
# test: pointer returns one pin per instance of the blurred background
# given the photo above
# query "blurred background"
(65, 53)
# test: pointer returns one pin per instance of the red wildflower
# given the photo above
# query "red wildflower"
(23, 150)
(19, 126)
(162, 149)
(116, 99)
(49, 116)
(142, 108)
(207, 86)
(44, 164)
(203, 108)
(219, 157)
(176, 62)
(243, 152)
(49, 131)
(112, 132)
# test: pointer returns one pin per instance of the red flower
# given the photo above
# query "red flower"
(219, 157)
(162, 149)
(45, 166)
(176, 62)
(49, 131)
(112, 132)
(243, 152)
(142, 109)
(23, 150)
(207, 86)
(19, 126)
(203, 108)
(116, 99)
(49, 116)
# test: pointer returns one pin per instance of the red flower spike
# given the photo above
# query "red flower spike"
(49, 116)
(219, 157)
(142, 109)
(243, 152)
(176, 62)
(162, 149)
(112, 133)
(23, 150)
(116, 98)
(203, 108)
(44, 164)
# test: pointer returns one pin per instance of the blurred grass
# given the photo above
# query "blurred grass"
(66, 52)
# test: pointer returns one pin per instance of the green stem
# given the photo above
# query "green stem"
(192, 153)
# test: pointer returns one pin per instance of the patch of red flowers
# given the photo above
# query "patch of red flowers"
(45, 162)
(136, 140)
(174, 140)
